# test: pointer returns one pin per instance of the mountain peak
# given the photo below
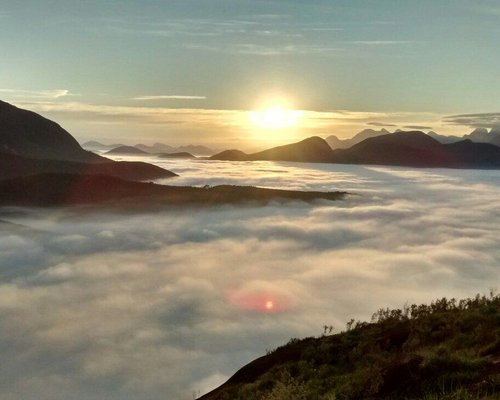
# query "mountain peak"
(28, 134)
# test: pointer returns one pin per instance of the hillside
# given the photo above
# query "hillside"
(28, 134)
(48, 190)
(449, 350)
(31, 144)
(12, 166)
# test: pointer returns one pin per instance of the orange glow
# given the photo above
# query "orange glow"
(266, 300)
(276, 117)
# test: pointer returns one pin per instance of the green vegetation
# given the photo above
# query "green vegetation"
(448, 350)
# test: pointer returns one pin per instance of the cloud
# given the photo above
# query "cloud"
(418, 127)
(381, 124)
(163, 305)
(382, 42)
(480, 120)
(257, 49)
(169, 97)
(41, 94)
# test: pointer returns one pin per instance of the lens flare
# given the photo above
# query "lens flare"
(266, 299)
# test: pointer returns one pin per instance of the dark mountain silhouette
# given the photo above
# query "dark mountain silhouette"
(163, 148)
(183, 154)
(15, 166)
(31, 144)
(156, 148)
(403, 148)
(231, 155)
(127, 151)
(77, 189)
(336, 143)
(414, 149)
(478, 135)
(422, 351)
(313, 149)
(28, 134)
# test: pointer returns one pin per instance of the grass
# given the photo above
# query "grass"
(448, 350)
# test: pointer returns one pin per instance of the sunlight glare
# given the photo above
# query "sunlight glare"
(275, 117)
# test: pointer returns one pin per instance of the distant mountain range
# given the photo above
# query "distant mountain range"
(479, 135)
(31, 144)
(134, 151)
(156, 148)
(41, 164)
(414, 149)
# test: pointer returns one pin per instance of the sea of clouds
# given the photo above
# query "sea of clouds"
(168, 305)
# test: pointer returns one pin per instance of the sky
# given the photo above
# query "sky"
(188, 71)
(164, 305)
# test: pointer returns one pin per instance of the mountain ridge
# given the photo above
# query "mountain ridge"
(411, 148)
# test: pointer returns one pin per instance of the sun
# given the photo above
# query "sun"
(269, 305)
(274, 117)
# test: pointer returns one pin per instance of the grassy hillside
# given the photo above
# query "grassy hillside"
(447, 350)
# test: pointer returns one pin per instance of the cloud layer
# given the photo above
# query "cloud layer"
(154, 306)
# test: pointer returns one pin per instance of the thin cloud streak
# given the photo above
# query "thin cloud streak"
(40, 94)
(169, 97)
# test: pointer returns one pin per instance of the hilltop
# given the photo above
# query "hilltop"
(448, 350)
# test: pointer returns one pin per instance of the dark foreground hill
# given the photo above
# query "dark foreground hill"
(31, 144)
(449, 350)
(48, 190)
(414, 149)
(12, 166)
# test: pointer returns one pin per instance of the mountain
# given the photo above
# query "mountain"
(413, 149)
(93, 145)
(313, 149)
(481, 135)
(336, 143)
(196, 150)
(31, 144)
(89, 189)
(175, 155)
(416, 149)
(156, 148)
(443, 139)
(478, 135)
(443, 351)
(126, 151)
(28, 134)
(163, 148)
(403, 148)
(12, 166)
